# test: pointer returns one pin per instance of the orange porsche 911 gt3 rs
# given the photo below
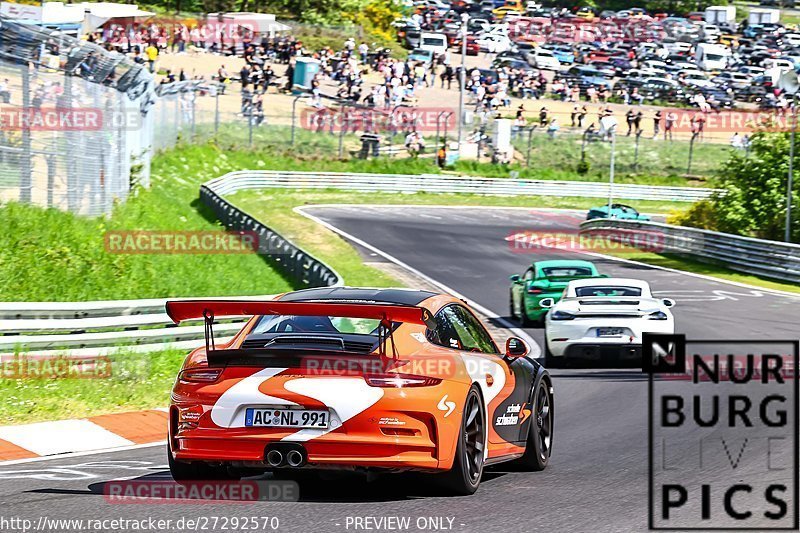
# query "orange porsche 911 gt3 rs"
(364, 379)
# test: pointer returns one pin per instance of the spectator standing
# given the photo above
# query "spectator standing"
(5, 92)
(543, 117)
(669, 122)
(152, 54)
(629, 119)
(656, 123)
(582, 115)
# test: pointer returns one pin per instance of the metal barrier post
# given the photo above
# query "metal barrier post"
(436, 143)
(691, 151)
(51, 178)
(294, 110)
(194, 110)
(343, 130)
(216, 110)
(528, 154)
(26, 178)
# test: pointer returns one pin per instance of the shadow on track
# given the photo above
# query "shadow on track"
(314, 487)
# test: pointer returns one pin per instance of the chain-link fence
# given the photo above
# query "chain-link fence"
(80, 124)
(74, 133)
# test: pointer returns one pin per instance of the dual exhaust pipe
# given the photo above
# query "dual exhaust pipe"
(294, 457)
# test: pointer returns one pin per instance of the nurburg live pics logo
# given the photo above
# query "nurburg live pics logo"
(722, 443)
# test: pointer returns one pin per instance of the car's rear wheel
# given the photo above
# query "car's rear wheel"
(465, 475)
(540, 433)
(524, 320)
(550, 360)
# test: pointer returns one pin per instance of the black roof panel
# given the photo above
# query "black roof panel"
(383, 296)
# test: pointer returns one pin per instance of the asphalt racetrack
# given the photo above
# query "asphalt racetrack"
(597, 478)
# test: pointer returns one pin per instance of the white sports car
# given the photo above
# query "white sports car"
(603, 318)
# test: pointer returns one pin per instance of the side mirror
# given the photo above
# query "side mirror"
(547, 303)
(668, 302)
(514, 278)
(515, 348)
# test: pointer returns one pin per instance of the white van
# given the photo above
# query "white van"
(712, 56)
(435, 42)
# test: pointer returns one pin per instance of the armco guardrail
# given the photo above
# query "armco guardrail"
(770, 259)
(299, 265)
(435, 183)
(142, 324)
(101, 326)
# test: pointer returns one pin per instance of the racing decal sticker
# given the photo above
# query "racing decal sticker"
(509, 416)
(444, 405)
(479, 369)
(346, 397)
(229, 410)
(515, 414)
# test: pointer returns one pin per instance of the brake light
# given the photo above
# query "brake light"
(400, 380)
(534, 291)
(200, 375)
(561, 315)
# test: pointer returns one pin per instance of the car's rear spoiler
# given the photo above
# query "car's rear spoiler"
(208, 310)
(181, 310)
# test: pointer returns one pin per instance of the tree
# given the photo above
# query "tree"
(754, 201)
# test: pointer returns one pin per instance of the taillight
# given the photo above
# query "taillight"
(400, 380)
(534, 291)
(200, 375)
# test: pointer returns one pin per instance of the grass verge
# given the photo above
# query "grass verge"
(50, 255)
(135, 381)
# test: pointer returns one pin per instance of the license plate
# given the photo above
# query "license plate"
(286, 418)
(610, 332)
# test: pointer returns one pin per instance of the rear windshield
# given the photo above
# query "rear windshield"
(604, 290)
(563, 272)
(433, 41)
(315, 324)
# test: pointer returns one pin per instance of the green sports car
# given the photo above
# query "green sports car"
(544, 279)
(618, 211)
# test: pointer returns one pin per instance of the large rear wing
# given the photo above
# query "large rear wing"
(209, 310)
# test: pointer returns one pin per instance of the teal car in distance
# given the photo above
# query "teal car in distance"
(544, 279)
(618, 211)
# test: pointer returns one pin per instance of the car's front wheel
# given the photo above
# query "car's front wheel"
(465, 475)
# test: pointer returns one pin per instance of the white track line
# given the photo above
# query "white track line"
(536, 350)
(81, 454)
(776, 292)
